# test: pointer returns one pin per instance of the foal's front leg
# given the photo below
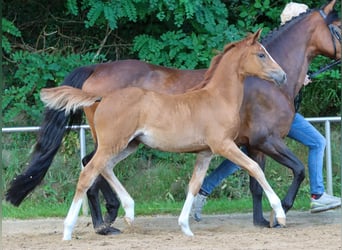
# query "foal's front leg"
(201, 167)
(229, 150)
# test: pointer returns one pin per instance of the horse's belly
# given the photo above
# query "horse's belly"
(172, 143)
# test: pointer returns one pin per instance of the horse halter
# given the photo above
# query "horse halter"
(334, 31)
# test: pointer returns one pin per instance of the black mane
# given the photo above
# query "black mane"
(274, 34)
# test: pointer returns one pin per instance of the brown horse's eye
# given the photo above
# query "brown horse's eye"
(261, 55)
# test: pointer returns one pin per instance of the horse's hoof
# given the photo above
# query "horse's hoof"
(66, 237)
(128, 220)
(107, 230)
(187, 232)
(279, 222)
(110, 218)
(262, 223)
(186, 229)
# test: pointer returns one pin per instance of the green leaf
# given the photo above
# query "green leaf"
(72, 7)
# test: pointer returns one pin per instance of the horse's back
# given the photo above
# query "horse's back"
(111, 76)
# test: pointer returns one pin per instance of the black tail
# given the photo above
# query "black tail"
(50, 138)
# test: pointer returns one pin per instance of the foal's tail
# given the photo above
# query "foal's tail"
(67, 98)
(50, 138)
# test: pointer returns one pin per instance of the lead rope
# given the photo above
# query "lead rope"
(323, 69)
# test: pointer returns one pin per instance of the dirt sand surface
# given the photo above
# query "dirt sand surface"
(231, 231)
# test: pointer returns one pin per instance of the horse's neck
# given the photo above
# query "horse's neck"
(227, 83)
(291, 51)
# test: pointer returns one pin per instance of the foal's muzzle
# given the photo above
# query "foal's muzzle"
(279, 77)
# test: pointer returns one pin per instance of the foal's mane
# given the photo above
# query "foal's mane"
(213, 65)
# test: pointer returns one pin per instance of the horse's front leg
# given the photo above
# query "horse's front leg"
(200, 169)
(256, 190)
(229, 150)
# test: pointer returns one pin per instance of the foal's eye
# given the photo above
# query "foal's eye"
(261, 55)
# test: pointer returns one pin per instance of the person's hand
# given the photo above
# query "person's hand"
(307, 80)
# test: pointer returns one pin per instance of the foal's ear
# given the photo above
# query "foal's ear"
(254, 37)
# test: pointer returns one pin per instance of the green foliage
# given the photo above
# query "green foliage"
(185, 47)
(9, 29)
(72, 7)
(182, 34)
(325, 89)
(21, 103)
(102, 12)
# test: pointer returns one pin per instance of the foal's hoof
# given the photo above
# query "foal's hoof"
(107, 230)
(128, 220)
(277, 222)
(187, 232)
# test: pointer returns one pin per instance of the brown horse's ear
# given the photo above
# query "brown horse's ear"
(254, 37)
(329, 7)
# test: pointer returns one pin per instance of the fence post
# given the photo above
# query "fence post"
(85, 207)
(328, 158)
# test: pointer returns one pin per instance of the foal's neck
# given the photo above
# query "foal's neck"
(227, 81)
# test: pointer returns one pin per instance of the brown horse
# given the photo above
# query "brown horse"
(210, 123)
(293, 45)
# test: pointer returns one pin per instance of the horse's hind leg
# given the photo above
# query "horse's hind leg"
(87, 177)
(256, 190)
(278, 151)
(93, 197)
(125, 198)
(201, 167)
(112, 203)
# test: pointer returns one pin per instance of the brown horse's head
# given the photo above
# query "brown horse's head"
(260, 63)
(327, 35)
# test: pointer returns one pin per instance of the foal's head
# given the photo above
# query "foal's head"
(258, 62)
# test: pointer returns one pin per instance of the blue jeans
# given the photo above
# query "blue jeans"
(302, 131)
(212, 180)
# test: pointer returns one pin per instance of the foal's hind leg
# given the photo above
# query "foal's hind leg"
(112, 203)
(102, 163)
(201, 167)
(126, 199)
(87, 177)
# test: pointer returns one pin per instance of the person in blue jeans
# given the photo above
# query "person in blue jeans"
(302, 131)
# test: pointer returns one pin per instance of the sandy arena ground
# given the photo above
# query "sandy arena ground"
(233, 231)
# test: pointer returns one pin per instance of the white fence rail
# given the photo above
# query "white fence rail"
(326, 120)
